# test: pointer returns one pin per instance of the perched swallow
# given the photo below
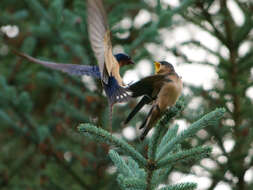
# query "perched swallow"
(108, 64)
(161, 89)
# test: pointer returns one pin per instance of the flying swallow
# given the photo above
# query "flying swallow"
(100, 38)
(108, 64)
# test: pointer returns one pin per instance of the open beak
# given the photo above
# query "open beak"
(157, 67)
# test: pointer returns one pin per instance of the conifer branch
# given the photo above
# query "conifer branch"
(70, 171)
(133, 183)
(160, 128)
(183, 186)
(207, 120)
(120, 163)
(191, 154)
(38, 9)
(130, 175)
(168, 136)
(14, 170)
(104, 136)
(160, 159)
(159, 176)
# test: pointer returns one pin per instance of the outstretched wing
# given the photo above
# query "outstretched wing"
(71, 69)
(99, 35)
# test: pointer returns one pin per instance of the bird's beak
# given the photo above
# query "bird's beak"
(157, 67)
(130, 62)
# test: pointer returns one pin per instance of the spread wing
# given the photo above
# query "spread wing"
(149, 86)
(71, 69)
(99, 35)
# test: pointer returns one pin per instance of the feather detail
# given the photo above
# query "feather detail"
(114, 92)
(100, 38)
(145, 100)
(152, 117)
(97, 28)
(149, 86)
(72, 69)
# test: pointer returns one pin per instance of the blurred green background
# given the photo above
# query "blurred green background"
(210, 43)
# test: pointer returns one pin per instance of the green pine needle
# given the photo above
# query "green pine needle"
(134, 183)
(121, 164)
(182, 186)
(106, 137)
(191, 154)
(207, 120)
(168, 136)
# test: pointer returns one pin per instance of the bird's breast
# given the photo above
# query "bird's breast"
(169, 94)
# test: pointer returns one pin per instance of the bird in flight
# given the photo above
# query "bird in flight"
(108, 63)
(162, 90)
(100, 38)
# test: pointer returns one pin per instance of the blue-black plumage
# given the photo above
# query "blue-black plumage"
(123, 59)
(113, 90)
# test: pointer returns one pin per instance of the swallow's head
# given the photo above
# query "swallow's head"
(163, 66)
(124, 59)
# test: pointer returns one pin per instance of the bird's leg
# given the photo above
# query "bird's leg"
(110, 117)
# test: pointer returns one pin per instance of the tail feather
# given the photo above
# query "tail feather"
(115, 92)
(152, 117)
(138, 107)
(144, 133)
(146, 119)
(72, 69)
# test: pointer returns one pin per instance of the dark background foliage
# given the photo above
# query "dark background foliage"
(40, 108)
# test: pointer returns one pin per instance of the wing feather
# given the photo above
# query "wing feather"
(97, 27)
(145, 100)
(149, 86)
(100, 39)
(72, 69)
